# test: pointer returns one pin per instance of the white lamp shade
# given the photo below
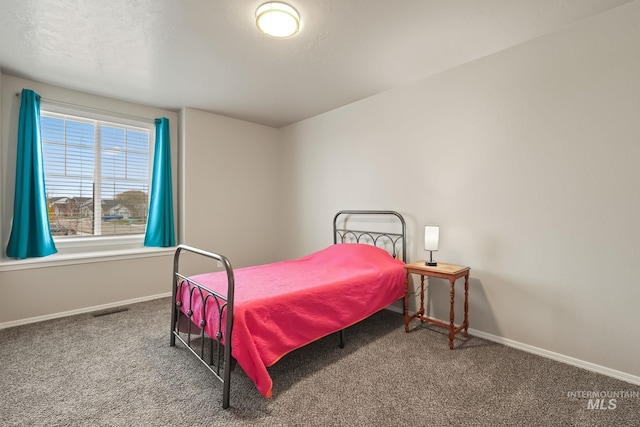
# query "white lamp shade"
(277, 19)
(431, 237)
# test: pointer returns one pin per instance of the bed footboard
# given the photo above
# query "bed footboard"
(193, 336)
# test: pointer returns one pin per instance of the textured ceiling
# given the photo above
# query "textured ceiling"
(208, 54)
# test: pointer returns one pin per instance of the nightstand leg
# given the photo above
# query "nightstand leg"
(421, 295)
(452, 316)
(406, 302)
(466, 305)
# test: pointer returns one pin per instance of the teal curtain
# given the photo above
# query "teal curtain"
(30, 231)
(160, 220)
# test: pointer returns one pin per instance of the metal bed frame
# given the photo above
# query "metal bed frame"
(195, 339)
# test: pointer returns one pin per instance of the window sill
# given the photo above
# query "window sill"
(61, 259)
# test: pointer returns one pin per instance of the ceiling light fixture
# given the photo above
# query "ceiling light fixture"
(277, 19)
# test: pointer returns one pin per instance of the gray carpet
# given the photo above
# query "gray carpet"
(118, 370)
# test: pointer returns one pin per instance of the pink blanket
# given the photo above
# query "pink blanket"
(283, 306)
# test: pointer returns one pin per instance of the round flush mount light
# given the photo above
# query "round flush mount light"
(277, 19)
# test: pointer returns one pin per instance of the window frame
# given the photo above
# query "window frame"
(75, 246)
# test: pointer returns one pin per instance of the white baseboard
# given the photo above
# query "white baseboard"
(81, 311)
(623, 376)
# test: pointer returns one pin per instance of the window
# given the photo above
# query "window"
(97, 173)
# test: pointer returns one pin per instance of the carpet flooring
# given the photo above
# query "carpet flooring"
(119, 370)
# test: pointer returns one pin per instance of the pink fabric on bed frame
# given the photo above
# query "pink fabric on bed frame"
(283, 306)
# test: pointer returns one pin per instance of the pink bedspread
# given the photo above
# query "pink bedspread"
(283, 306)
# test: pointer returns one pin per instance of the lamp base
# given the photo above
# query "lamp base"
(430, 262)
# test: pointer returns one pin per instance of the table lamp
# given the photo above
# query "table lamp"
(431, 236)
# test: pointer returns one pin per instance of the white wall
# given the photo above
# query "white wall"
(527, 159)
(230, 187)
(226, 170)
(46, 288)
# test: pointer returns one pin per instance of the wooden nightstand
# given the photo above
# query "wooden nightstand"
(450, 272)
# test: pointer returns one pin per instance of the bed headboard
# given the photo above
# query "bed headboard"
(380, 238)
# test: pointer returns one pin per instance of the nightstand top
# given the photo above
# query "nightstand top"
(442, 267)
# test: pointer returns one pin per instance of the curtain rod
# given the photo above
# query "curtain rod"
(95, 110)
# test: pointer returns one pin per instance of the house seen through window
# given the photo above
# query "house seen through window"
(96, 173)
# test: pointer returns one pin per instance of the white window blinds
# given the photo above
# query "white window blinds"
(96, 174)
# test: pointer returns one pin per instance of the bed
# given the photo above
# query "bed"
(270, 310)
